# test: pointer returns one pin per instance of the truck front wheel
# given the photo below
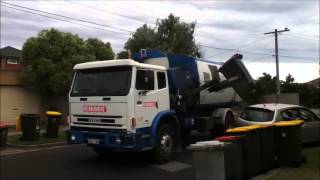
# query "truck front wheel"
(165, 144)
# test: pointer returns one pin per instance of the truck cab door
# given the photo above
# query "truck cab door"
(147, 97)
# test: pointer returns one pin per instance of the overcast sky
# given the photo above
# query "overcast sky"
(223, 27)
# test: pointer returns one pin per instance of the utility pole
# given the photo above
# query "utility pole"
(276, 32)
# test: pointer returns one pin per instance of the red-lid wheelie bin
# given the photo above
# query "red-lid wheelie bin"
(234, 159)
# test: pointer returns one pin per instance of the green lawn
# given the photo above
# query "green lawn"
(310, 170)
(15, 139)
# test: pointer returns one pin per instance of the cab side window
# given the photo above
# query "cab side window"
(161, 80)
(145, 80)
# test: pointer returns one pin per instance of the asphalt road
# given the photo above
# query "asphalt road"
(80, 162)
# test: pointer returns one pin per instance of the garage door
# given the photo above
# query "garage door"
(15, 100)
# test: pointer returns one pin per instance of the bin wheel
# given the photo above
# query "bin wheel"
(165, 144)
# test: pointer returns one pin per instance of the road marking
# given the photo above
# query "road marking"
(173, 166)
(12, 151)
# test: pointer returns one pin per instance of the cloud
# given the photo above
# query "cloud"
(238, 25)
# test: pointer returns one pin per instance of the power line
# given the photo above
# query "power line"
(243, 46)
(67, 17)
(300, 37)
(109, 12)
(259, 59)
(80, 20)
(258, 53)
(188, 21)
(306, 35)
(50, 17)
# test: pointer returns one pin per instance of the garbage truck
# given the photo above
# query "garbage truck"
(153, 101)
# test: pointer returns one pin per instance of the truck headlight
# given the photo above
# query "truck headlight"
(73, 137)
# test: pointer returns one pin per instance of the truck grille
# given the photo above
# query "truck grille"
(95, 129)
(100, 120)
(98, 124)
(96, 120)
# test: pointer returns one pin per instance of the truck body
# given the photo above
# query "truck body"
(152, 101)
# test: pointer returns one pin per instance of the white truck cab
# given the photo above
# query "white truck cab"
(118, 94)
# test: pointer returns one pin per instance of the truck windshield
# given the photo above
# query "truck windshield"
(257, 115)
(107, 81)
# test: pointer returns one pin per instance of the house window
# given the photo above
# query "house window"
(12, 61)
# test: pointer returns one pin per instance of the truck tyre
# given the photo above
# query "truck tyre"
(165, 144)
(104, 152)
(220, 129)
(229, 121)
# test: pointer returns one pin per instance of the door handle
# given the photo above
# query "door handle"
(139, 102)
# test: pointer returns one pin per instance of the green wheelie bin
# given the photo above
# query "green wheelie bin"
(30, 125)
(267, 146)
(251, 149)
(3, 135)
(54, 119)
(288, 143)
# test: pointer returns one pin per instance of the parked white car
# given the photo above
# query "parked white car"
(271, 113)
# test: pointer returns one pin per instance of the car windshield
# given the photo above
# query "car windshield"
(257, 115)
(109, 81)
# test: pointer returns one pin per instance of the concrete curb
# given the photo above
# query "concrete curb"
(37, 145)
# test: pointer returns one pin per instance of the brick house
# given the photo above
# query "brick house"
(14, 98)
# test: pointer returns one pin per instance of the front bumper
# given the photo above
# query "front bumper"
(116, 140)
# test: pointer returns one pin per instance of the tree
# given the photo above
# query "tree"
(288, 85)
(266, 84)
(176, 37)
(101, 50)
(48, 60)
(143, 38)
(289, 79)
(122, 55)
(170, 35)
